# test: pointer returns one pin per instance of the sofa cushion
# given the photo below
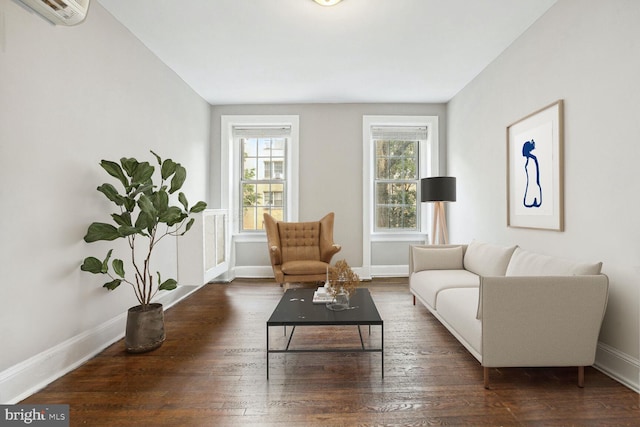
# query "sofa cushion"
(427, 284)
(525, 263)
(437, 258)
(457, 307)
(486, 259)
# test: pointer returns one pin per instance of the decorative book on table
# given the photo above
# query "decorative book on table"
(321, 296)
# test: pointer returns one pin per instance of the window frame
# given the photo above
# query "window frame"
(232, 168)
(428, 165)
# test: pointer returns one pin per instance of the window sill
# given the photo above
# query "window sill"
(257, 237)
(403, 236)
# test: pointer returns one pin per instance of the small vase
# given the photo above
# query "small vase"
(340, 302)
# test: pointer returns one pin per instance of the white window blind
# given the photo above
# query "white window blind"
(399, 133)
(261, 131)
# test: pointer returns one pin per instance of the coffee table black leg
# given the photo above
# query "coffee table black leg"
(267, 352)
(361, 340)
(382, 348)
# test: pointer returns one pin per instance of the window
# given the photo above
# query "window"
(263, 182)
(261, 173)
(397, 152)
(396, 177)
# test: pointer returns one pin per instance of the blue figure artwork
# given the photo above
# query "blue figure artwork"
(533, 190)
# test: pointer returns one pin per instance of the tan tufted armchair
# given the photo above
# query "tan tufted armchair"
(300, 251)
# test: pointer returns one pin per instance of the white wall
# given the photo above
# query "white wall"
(69, 97)
(330, 166)
(587, 53)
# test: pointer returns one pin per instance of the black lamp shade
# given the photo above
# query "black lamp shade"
(438, 189)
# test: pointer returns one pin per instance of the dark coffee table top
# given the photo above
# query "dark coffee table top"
(296, 308)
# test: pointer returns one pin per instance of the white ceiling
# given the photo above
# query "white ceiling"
(296, 51)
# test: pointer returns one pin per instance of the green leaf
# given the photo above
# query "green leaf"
(118, 267)
(157, 157)
(143, 188)
(111, 193)
(168, 285)
(198, 207)
(183, 199)
(101, 231)
(105, 263)
(129, 204)
(114, 170)
(172, 216)
(129, 165)
(146, 206)
(92, 265)
(113, 284)
(161, 201)
(144, 221)
(128, 230)
(122, 219)
(188, 226)
(143, 173)
(178, 178)
(168, 168)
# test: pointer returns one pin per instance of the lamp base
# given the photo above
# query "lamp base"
(439, 225)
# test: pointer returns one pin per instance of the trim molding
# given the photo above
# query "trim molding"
(25, 378)
(618, 365)
(253, 272)
(389, 270)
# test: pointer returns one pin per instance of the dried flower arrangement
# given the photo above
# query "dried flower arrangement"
(342, 279)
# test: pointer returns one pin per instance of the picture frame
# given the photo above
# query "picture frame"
(535, 170)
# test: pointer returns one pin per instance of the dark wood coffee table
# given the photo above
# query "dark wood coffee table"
(296, 308)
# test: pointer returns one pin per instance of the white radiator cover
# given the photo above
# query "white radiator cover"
(203, 252)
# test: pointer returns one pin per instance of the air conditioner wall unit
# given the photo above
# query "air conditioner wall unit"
(60, 12)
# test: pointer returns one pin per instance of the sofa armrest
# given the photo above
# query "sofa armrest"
(541, 320)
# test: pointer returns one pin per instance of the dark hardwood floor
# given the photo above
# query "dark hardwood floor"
(211, 372)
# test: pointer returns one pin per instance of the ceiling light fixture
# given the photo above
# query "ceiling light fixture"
(327, 2)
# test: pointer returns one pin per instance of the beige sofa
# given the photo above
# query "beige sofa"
(510, 307)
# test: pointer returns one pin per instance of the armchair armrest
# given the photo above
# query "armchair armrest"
(541, 320)
(327, 252)
(276, 255)
(327, 247)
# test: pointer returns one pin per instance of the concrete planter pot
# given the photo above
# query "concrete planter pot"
(145, 328)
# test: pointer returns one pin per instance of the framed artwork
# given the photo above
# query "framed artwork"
(535, 182)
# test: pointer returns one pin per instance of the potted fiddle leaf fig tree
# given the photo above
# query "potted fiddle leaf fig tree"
(144, 218)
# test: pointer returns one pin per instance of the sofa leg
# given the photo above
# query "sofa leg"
(414, 300)
(486, 377)
(581, 376)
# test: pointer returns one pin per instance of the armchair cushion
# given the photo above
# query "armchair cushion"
(304, 267)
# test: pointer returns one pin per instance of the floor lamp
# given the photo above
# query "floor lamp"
(438, 189)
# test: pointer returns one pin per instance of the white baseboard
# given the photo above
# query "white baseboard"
(389, 270)
(22, 380)
(262, 272)
(619, 366)
(253, 272)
